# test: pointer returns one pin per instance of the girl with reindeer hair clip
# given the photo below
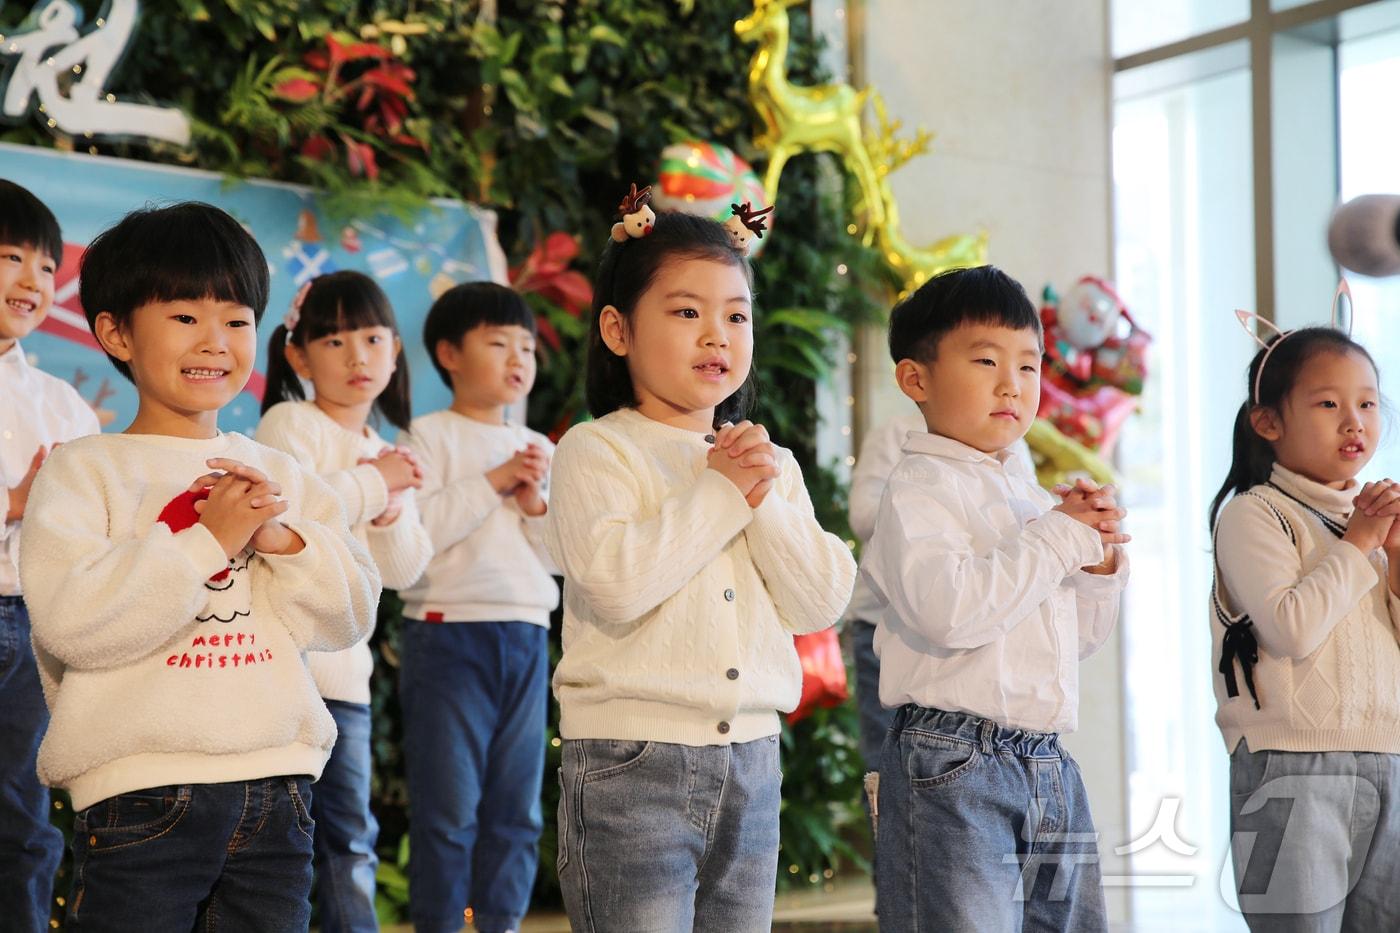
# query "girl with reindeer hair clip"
(1305, 612)
(691, 556)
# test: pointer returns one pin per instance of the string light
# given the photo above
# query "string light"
(850, 461)
(555, 742)
(841, 269)
(850, 357)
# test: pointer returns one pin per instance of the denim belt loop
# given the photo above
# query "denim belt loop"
(986, 730)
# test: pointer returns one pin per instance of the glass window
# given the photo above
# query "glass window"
(1182, 174)
(1138, 25)
(1369, 157)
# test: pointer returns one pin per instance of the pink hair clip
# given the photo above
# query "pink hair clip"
(1246, 317)
(292, 318)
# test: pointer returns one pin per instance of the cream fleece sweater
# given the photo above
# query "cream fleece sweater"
(1324, 618)
(680, 602)
(401, 550)
(162, 661)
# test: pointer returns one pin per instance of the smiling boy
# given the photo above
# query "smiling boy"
(188, 757)
(39, 412)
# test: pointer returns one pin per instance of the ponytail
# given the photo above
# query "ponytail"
(283, 383)
(1251, 462)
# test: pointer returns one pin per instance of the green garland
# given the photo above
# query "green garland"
(545, 114)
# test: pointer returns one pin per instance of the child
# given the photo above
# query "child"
(340, 336)
(991, 599)
(475, 646)
(175, 575)
(1304, 629)
(691, 557)
(880, 452)
(39, 412)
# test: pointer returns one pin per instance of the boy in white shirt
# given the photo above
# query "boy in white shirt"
(474, 673)
(176, 576)
(991, 596)
(39, 412)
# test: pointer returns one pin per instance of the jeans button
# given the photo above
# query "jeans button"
(729, 596)
(732, 673)
(723, 728)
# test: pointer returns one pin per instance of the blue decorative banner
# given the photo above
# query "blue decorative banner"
(448, 243)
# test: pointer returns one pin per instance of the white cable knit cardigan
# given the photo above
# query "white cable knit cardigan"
(680, 602)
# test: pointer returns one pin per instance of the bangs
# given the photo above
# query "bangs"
(343, 301)
(26, 222)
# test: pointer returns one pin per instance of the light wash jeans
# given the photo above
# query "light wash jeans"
(1315, 839)
(983, 828)
(663, 838)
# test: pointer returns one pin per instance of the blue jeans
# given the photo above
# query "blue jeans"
(346, 830)
(1315, 839)
(30, 849)
(473, 697)
(983, 828)
(233, 856)
(662, 838)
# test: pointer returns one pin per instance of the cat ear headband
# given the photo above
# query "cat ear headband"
(1246, 317)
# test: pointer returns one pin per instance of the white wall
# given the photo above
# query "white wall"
(1017, 93)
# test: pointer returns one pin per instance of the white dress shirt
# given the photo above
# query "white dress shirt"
(36, 410)
(880, 452)
(986, 609)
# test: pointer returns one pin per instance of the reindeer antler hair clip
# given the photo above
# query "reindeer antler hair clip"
(637, 215)
(746, 224)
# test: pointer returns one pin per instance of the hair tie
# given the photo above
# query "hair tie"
(637, 216)
(292, 318)
(746, 224)
(1245, 317)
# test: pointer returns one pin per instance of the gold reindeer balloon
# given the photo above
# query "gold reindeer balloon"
(824, 118)
(914, 265)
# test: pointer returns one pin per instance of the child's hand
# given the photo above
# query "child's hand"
(1098, 508)
(1372, 522)
(743, 455)
(527, 466)
(273, 537)
(400, 469)
(19, 495)
(237, 505)
(528, 498)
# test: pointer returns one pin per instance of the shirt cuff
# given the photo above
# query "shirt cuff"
(203, 550)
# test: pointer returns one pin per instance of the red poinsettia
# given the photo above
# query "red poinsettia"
(546, 272)
(373, 87)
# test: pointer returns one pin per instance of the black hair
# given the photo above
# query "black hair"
(1252, 457)
(624, 274)
(183, 252)
(466, 307)
(27, 221)
(977, 295)
(335, 302)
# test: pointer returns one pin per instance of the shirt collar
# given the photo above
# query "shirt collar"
(936, 445)
(14, 357)
(1336, 503)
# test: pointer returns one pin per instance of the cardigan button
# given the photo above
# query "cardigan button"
(709, 438)
(732, 673)
(729, 596)
(723, 728)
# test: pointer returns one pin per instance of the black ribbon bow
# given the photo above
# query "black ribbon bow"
(1239, 643)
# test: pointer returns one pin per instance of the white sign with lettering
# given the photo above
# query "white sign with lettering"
(51, 49)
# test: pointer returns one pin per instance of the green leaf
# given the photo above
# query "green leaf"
(602, 118)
